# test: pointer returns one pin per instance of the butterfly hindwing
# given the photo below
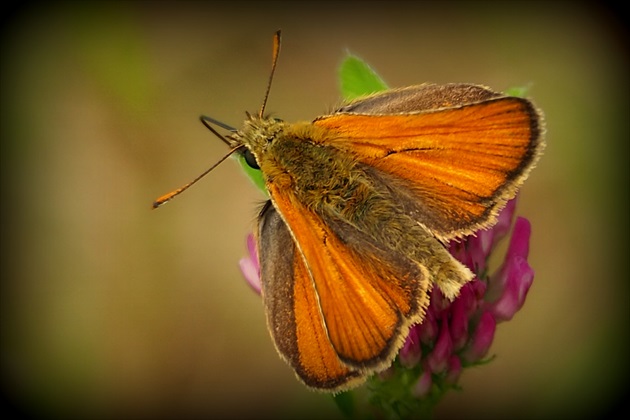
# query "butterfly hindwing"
(413, 99)
(367, 297)
(293, 315)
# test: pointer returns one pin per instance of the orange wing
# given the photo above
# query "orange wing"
(461, 164)
(292, 309)
(350, 304)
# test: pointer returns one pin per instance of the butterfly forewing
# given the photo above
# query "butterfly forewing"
(459, 164)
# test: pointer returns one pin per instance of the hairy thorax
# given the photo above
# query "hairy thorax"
(301, 160)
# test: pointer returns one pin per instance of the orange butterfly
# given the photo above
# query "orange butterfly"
(362, 203)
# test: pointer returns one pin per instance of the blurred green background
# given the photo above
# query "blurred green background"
(112, 310)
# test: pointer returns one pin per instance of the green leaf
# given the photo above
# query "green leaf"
(254, 174)
(518, 91)
(346, 403)
(358, 79)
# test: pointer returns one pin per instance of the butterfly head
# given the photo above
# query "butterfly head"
(256, 137)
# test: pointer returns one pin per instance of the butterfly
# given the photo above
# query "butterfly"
(362, 203)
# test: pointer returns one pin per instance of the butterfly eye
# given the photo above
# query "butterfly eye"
(278, 120)
(250, 159)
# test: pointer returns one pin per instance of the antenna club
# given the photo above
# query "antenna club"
(274, 61)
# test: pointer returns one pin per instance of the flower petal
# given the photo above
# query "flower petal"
(454, 370)
(411, 352)
(438, 358)
(517, 277)
(504, 221)
(250, 266)
(423, 385)
(508, 288)
(428, 330)
(459, 318)
(519, 243)
(250, 272)
(481, 340)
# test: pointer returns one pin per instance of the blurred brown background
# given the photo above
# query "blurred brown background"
(112, 310)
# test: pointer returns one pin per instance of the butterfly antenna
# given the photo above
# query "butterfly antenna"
(274, 61)
(167, 197)
(208, 120)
